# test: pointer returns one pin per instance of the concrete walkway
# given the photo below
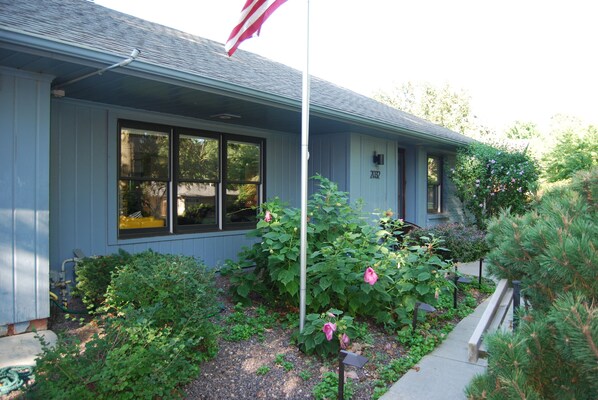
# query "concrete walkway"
(22, 349)
(445, 372)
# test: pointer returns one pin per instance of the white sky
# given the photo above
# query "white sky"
(518, 59)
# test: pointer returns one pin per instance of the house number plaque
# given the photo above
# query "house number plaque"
(374, 174)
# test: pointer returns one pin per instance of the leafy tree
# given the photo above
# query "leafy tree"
(441, 105)
(523, 130)
(572, 153)
(489, 179)
(553, 251)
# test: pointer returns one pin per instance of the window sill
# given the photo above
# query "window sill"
(434, 216)
(183, 236)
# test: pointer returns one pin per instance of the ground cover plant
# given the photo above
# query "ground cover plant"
(553, 251)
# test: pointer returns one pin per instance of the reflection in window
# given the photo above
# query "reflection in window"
(241, 203)
(434, 184)
(143, 154)
(196, 204)
(142, 204)
(175, 180)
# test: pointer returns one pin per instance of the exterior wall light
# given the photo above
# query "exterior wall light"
(378, 159)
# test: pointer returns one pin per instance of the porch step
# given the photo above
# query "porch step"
(496, 316)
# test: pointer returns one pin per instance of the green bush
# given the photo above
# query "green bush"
(489, 179)
(94, 275)
(552, 357)
(553, 251)
(342, 247)
(154, 336)
(313, 339)
(460, 243)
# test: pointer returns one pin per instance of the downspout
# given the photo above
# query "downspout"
(132, 57)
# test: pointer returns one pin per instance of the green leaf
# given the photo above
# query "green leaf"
(325, 282)
(424, 276)
(423, 288)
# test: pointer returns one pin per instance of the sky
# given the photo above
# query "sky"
(523, 60)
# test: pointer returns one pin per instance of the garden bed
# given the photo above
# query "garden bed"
(257, 358)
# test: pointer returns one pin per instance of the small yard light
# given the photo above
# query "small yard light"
(347, 358)
(456, 280)
(420, 306)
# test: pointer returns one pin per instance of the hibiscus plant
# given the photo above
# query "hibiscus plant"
(354, 264)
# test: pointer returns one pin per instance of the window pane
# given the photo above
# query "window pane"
(434, 184)
(196, 204)
(241, 203)
(143, 154)
(433, 171)
(142, 204)
(198, 158)
(243, 162)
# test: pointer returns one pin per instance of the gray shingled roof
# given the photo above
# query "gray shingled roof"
(90, 26)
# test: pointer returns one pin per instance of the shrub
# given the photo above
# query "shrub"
(342, 247)
(94, 275)
(553, 250)
(154, 337)
(463, 243)
(315, 339)
(489, 179)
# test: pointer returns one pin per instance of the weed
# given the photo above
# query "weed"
(263, 370)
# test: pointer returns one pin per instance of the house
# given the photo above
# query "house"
(119, 133)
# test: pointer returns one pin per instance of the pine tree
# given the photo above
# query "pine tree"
(553, 250)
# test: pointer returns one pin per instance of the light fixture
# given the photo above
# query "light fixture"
(420, 306)
(378, 159)
(225, 116)
(347, 358)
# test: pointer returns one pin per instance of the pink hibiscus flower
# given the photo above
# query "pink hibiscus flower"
(328, 330)
(370, 276)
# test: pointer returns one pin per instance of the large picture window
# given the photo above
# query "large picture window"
(177, 180)
(434, 184)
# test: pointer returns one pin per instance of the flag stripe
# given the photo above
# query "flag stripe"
(253, 15)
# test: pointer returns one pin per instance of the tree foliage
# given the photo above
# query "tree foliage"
(572, 153)
(523, 130)
(489, 179)
(441, 105)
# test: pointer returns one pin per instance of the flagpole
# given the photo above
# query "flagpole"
(304, 173)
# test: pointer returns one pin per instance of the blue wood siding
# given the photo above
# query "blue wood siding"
(83, 190)
(24, 198)
(379, 194)
(329, 157)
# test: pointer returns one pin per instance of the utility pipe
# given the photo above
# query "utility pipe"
(132, 57)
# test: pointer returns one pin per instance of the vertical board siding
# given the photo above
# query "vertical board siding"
(328, 156)
(377, 194)
(7, 142)
(24, 203)
(83, 183)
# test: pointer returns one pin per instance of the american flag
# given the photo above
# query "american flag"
(254, 14)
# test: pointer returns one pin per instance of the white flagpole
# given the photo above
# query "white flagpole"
(304, 177)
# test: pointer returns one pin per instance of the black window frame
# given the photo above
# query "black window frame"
(172, 226)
